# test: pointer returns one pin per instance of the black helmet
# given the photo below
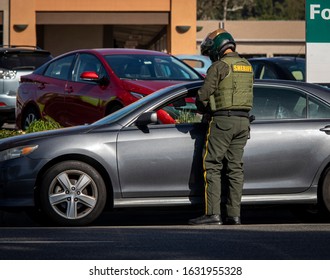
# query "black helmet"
(216, 43)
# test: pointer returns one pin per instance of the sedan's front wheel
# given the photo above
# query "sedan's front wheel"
(72, 193)
(326, 190)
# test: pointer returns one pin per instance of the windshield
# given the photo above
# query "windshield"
(150, 67)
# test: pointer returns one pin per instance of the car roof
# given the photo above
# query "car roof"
(111, 51)
(21, 48)
(194, 56)
(277, 58)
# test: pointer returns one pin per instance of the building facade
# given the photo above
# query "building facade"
(62, 25)
(164, 25)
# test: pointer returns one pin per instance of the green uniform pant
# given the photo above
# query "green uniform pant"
(226, 139)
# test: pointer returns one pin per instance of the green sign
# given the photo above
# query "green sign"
(317, 21)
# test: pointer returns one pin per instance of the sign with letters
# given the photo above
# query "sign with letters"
(317, 41)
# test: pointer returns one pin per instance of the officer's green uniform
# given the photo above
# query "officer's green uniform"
(228, 90)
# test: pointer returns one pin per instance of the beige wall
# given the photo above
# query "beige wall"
(261, 37)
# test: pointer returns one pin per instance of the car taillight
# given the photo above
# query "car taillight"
(2, 104)
(7, 74)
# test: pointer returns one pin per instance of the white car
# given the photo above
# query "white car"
(200, 62)
(16, 61)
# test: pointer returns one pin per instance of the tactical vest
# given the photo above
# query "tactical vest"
(235, 91)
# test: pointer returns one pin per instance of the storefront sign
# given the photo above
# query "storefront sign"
(318, 41)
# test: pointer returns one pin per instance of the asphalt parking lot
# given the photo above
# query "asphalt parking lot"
(267, 233)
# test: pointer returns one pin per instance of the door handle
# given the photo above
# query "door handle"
(41, 86)
(69, 89)
(325, 129)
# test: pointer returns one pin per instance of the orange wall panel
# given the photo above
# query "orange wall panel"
(103, 5)
(22, 12)
(183, 13)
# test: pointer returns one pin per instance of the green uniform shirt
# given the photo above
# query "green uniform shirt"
(229, 94)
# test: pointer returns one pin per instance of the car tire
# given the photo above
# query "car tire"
(114, 108)
(29, 116)
(326, 191)
(72, 193)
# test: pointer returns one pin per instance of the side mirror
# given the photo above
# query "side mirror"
(146, 118)
(92, 76)
(89, 76)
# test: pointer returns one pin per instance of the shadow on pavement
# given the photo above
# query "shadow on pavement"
(177, 216)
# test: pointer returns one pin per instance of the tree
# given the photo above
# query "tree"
(251, 9)
(294, 9)
(221, 9)
(234, 6)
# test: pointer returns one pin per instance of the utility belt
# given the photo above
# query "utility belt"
(228, 113)
(237, 113)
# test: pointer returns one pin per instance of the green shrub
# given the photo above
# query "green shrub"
(187, 116)
(4, 133)
(35, 126)
(41, 125)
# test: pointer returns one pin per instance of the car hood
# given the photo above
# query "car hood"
(147, 86)
(23, 139)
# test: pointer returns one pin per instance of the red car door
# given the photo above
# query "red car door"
(50, 91)
(85, 100)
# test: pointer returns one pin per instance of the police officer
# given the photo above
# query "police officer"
(227, 93)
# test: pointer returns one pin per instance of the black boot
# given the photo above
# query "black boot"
(206, 220)
(233, 221)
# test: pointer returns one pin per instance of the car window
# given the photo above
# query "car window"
(282, 103)
(194, 62)
(87, 62)
(316, 110)
(60, 68)
(278, 103)
(180, 111)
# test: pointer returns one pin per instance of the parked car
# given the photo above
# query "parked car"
(16, 61)
(83, 86)
(200, 62)
(285, 68)
(130, 158)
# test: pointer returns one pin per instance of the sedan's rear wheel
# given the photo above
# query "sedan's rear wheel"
(72, 193)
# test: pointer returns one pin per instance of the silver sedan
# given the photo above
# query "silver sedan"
(131, 158)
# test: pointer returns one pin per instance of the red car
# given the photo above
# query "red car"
(83, 86)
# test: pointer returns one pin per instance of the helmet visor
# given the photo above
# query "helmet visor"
(206, 46)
